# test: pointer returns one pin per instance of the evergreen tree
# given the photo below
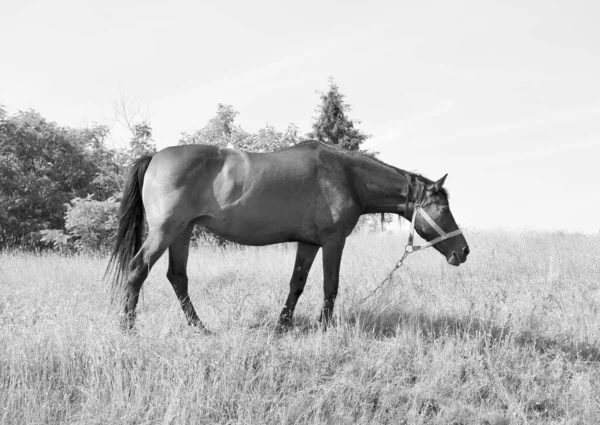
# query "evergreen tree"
(333, 125)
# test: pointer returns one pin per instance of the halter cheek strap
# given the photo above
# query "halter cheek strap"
(418, 209)
(442, 235)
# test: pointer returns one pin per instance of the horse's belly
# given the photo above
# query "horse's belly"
(252, 231)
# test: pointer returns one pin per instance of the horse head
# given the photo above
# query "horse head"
(434, 222)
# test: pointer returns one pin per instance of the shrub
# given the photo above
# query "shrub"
(90, 226)
(57, 239)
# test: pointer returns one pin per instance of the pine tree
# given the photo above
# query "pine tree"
(333, 125)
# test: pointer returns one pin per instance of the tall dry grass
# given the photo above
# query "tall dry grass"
(512, 336)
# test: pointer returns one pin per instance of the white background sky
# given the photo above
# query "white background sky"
(503, 96)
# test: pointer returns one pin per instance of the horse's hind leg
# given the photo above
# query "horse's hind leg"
(177, 274)
(158, 240)
(305, 255)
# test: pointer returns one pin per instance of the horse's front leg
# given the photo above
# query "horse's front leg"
(332, 257)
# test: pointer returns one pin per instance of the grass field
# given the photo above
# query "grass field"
(511, 336)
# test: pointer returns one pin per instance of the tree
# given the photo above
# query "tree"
(141, 143)
(110, 163)
(268, 139)
(333, 126)
(222, 131)
(130, 114)
(42, 167)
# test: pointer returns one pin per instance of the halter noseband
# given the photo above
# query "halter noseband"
(418, 209)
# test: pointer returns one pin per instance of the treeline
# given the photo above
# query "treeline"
(60, 186)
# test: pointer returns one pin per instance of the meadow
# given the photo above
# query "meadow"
(510, 337)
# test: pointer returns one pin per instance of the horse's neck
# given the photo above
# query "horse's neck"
(383, 189)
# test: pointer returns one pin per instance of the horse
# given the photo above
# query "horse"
(311, 193)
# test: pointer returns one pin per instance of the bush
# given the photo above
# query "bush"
(90, 226)
(56, 239)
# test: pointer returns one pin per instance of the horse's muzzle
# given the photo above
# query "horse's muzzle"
(457, 260)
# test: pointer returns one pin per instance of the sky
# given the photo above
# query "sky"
(502, 96)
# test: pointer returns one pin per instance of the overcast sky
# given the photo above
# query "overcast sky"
(503, 97)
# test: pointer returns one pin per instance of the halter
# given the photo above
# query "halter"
(418, 209)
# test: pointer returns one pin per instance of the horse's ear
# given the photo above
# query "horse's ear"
(435, 187)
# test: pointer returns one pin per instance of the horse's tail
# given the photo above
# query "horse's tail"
(130, 229)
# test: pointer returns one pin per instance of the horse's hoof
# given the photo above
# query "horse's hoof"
(127, 327)
(203, 330)
(283, 328)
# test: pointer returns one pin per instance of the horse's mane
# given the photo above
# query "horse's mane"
(410, 175)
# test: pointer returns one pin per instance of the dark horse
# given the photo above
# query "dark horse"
(311, 193)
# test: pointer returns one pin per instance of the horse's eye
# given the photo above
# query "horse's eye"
(445, 209)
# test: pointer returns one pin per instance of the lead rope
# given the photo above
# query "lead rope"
(410, 247)
(384, 281)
